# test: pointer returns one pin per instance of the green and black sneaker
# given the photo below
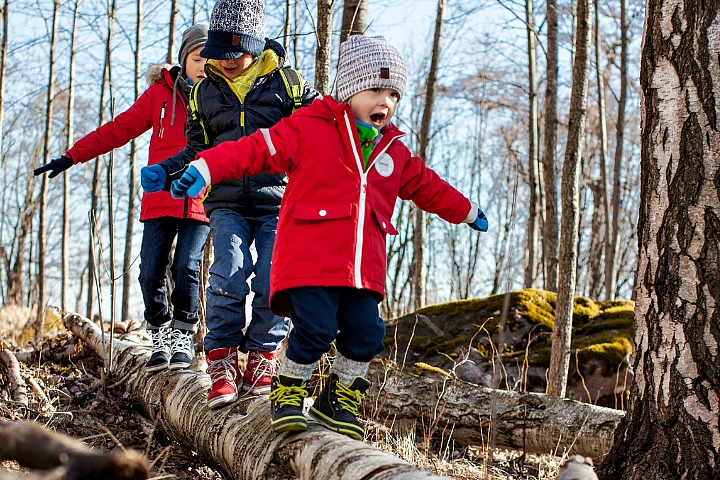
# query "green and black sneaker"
(286, 403)
(337, 406)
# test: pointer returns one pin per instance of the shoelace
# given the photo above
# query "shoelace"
(181, 342)
(349, 399)
(160, 338)
(263, 367)
(292, 395)
(222, 369)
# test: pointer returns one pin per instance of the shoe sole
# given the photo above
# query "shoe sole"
(348, 429)
(222, 401)
(290, 424)
(156, 368)
(256, 390)
(179, 366)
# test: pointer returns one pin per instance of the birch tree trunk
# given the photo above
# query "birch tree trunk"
(240, 440)
(70, 120)
(549, 158)
(171, 34)
(43, 183)
(354, 20)
(129, 226)
(562, 329)
(324, 44)
(532, 228)
(671, 429)
(611, 253)
(418, 266)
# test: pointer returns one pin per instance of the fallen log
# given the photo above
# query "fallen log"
(531, 422)
(239, 438)
(35, 447)
(18, 390)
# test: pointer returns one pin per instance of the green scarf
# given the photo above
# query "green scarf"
(367, 134)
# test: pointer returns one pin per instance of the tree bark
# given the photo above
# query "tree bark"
(3, 65)
(324, 44)
(419, 267)
(42, 200)
(549, 158)
(611, 253)
(671, 429)
(532, 227)
(354, 20)
(130, 224)
(240, 440)
(171, 33)
(35, 447)
(562, 329)
(18, 390)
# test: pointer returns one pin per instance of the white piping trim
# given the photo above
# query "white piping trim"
(361, 211)
(266, 135)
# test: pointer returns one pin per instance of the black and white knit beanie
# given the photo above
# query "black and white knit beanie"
(368, 62)
(192, 38)
(236, 27)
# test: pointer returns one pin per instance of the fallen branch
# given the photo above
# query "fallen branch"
(239, 438)
(18, 390)
(32, 446)
(530, 422)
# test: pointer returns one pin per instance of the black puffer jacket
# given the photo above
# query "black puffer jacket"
(216, 118)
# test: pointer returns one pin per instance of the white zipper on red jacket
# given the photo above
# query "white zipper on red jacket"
(359, 233)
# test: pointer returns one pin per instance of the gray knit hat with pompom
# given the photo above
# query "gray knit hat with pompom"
(236, 27)
(368, 62)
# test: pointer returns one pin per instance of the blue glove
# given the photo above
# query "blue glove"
(481, 223)
(189, 184)
(152, 178)
(57, 166)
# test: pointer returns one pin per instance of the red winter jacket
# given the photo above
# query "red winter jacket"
(154, 109)
(334, 217)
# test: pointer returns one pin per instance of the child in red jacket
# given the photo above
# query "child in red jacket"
(162, 108)
(346, 167)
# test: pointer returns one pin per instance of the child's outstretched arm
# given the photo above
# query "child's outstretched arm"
(265, 151)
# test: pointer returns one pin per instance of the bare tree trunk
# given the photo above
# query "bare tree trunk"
(286, 26)
(562, 330)
(15, 284)
(66, 182)
(129, 226)
(549, 159)
(324, 44)
(603, 193)
(418, 266)
(611, 253)
(671, 429)
(594, 258)
(105, 93)
(3, 64)
(171, 34)
(533, 208)
(43, 184)
(354, 20)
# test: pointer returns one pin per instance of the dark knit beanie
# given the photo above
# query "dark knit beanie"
(236, 27)
(368, 62)
(192, 38)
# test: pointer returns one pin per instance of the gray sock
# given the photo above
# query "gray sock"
(292, 369)
(347, 369)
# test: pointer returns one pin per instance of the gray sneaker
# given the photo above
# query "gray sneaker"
(160, 357)
(182, 348)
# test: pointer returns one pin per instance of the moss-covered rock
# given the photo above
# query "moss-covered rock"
(475, 339)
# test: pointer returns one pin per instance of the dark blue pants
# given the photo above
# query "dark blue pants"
(157, 239)
(323, 314)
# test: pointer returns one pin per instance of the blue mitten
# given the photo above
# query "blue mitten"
(56, 166)
(152, 178)
(481, 223)
(189, 185)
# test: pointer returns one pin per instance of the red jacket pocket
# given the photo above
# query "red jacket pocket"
(385, 223)
(322, 211)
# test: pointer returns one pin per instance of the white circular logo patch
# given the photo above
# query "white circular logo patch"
(384, 165)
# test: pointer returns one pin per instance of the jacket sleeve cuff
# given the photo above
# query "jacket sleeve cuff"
(472, 215)
(202, 167)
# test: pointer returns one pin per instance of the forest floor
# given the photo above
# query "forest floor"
(70, 397)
